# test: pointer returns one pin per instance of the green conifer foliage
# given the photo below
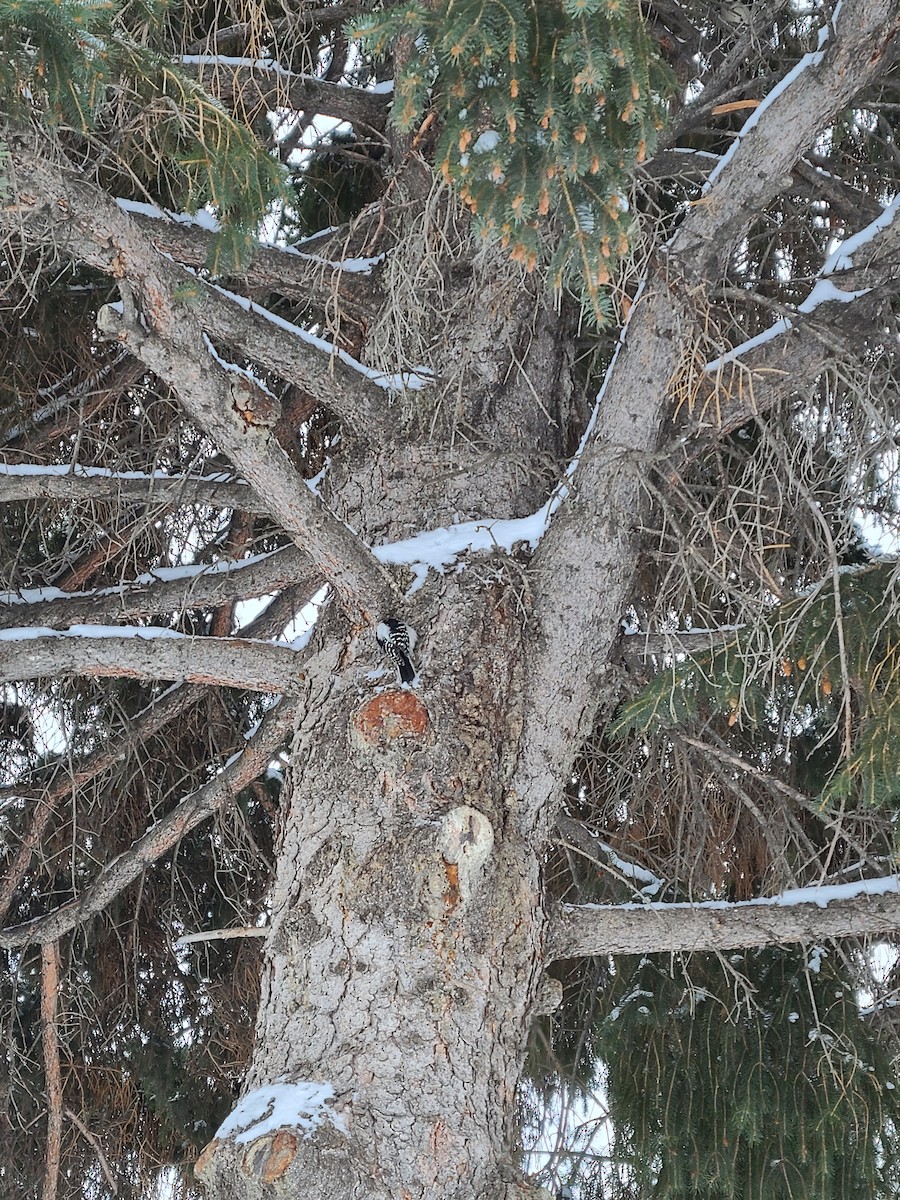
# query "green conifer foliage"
(544, 111)
(829, 659)
(66, 66)
(777, 1092)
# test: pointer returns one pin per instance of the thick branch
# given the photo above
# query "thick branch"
(162, 836)
(89, 650)
(60, 204)
(75, 484)
(219, 583)
(581, 930)
(257, 89)
(162, 712)
(757, 167)
(584, 565)
(309, 277)
(168, 337)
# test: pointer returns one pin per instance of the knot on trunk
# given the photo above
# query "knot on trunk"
(390, 719)
(465, 841)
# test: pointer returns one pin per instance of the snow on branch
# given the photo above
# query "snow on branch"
(272, 268)
(163, 589)
(241, 770)
(757, 165)
(73, 483)
(871, 906)
(227, 403)
(585, 562)
(145, 652)
(93, 228)
(160, 712)
(839, 280)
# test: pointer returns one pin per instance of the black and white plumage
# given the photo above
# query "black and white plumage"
(398, 641)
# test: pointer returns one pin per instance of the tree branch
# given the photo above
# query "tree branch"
(757, 166)
(52, 1072)
(218, 583)
(259, 88)
(108, 651)
(93, 228)
(166, 833)
(583, 567)
(805, 915)
(74, 484)
(165, 709)
(309, 276)
(227, 404)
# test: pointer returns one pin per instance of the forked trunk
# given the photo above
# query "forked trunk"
(406, 946)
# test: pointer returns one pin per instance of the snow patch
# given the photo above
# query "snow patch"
(820, 896)
(302, 1106)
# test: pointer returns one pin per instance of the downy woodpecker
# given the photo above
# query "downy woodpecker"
(397, 641)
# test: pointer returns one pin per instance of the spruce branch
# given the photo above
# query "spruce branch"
(146, 597)
(585, 561)
(165, 834)
(168, 337)
(580, 930)
(101, 651)
(174, 703)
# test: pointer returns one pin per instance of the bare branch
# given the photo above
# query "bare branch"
(89, 650)
(52, 1072)
(307, 276)
(694, 641)
(167, 708)
(73, 484)
(222, 935)
(293, 28)
(226, 404)
(218, 583)
(166, 833)
(98, 1149)
(580, 930)
(257, 89)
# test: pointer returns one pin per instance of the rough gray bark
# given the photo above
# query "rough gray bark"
(599, 929)
(229, 662)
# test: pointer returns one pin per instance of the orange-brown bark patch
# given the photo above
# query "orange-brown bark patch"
(269, 1157)
(389, 717)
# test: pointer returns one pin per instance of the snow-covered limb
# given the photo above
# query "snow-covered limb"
(412, 380)
(225, 407)
(165, 589)
(758, 164)
(94, 229)
(587, 843)
(315, 276)
(839, 280)
(162, 711)
(584, 564)
(871, 906)
(73, 482)
(166, 833)
(221, 935)
(142, 652)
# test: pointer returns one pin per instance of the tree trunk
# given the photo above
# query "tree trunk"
(407, 926)
(406, 930)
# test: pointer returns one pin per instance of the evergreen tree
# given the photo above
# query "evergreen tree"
(286, 283)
